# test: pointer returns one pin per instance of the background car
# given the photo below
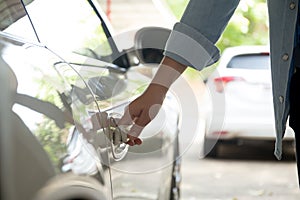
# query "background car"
(240, 100)
(65, 82)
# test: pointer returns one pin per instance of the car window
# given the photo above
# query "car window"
(13, 19)
(250, 61)
(69, 26)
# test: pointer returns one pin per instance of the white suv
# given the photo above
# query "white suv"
(239, 93)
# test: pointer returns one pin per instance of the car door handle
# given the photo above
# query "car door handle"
(115, 133)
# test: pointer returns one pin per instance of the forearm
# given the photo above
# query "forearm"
(192, 40)
(167, 73)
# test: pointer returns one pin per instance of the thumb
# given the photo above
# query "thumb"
(128, 117)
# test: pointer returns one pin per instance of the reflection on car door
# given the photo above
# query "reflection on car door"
(55, 96)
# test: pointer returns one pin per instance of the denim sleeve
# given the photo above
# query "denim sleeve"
(192, 40)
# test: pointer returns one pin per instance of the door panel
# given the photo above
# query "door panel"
(56, 108)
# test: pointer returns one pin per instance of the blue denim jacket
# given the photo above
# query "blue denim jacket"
(192, 42)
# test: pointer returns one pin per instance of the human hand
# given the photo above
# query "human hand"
(141, 111)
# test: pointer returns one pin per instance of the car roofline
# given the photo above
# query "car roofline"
(241, 50)
(13, 39)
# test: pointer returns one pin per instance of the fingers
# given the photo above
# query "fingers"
(136, 130)
(128, 117)
(133, 140)
(139, 122)
(138, 114)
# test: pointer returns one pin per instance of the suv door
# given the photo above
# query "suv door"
(73, 30)
(57, 115)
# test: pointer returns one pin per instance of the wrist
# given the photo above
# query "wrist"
(155, 88)
(168, 72)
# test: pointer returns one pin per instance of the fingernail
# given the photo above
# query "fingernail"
(138, 141)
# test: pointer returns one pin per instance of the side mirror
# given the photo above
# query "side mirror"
(150, 43)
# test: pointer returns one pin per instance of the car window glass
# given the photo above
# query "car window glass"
(13, 19)
(69, 25)
(250, 61)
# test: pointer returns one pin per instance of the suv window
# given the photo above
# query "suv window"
(13, 19)
(69, 25)
(250, 61)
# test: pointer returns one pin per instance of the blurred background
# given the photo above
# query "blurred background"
(240, 171)
(248, 26)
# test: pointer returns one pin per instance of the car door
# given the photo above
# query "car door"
(73, 31)
(53, 107)
(51, 78)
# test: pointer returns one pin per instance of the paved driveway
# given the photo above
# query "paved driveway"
(242, 173)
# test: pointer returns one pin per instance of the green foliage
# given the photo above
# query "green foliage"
(248, 26)
(177, 6)
(52, 139)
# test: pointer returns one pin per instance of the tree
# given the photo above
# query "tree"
(248, 26)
